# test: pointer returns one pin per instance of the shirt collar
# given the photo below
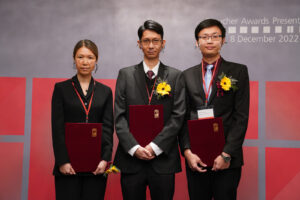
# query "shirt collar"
(205, 64)
(219, 63)
(78, 87)
(154, 69)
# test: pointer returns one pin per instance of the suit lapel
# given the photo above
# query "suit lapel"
(199, 81)
(92, 87)
(139, 76)
(221, 69)
(162, 72)
(163, 75)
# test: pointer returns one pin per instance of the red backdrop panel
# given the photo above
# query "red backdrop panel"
(252, 131)
(282, 110)
(181, 187)
(12, 105)
(282, 173)
(11, 155)
(41, 181)
(248, 188)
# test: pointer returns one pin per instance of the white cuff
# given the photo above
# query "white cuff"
(156, 149)
(133, 149)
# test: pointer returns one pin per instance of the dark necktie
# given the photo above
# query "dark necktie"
(150, 74)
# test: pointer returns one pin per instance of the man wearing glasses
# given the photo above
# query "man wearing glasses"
(149, 83)
(223, 88)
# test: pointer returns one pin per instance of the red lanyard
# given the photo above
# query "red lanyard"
(211, 81)
(86, 110)
(150, 96)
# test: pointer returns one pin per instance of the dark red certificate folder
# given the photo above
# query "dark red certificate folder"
(207, 138)
(83, 141)
(145, 122)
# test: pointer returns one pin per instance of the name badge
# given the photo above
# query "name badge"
(205, 113)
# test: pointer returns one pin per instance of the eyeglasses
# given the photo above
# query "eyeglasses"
(212, 37)
(147, 42)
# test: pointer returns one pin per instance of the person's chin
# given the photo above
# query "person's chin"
(152, 56)
(84, 73)
(210, 54)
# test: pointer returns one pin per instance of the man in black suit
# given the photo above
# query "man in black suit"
(229, 99)
(155, 164)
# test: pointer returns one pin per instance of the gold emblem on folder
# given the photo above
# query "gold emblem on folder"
(156, 114)
(216, 127)
(94, 132)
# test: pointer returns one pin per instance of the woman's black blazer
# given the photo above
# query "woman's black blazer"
(66, 107)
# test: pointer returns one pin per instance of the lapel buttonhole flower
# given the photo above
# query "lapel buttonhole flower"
(226, 83)
(162, 89)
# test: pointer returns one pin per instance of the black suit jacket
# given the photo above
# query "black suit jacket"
(131, 90)
(66, 107)
(233, 106)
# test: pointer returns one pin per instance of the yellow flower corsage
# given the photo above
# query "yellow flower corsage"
(111, 169)
(163, 88)
(226, 83)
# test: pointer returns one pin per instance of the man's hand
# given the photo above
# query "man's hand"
(220, 164)
(101, 167)
(67, 169)
(143, 154)
(194, 161)
(149, 148)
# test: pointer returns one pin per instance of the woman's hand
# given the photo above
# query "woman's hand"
(101, 167)
(67, 169)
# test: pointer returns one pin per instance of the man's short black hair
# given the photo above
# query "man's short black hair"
(153, 26)
(209, 23)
